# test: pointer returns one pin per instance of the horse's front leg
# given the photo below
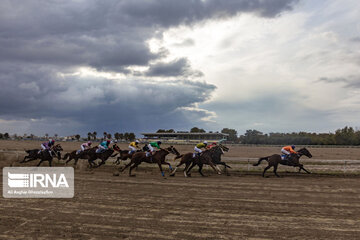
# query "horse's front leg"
(170, 168)
(161, 170)
(302, 167)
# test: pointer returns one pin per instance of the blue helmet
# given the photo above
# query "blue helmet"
(293, 146)
(158, 142)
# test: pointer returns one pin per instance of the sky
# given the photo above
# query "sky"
(72, 67)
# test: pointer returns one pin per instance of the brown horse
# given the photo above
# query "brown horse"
(92, 155)
(188, 158)
(275, 160)
(158, 157)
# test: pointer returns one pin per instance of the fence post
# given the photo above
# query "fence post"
(344, 166)
(248, 165)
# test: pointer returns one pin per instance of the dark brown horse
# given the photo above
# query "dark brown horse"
(158, 157)
(188, 158)
(216, 153)
(92, 155)
(293, 160)
(76, 156)
(124, 155)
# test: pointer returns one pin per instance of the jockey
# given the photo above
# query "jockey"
(47, 145)
(211, 145)
(84, 146)
(198, 147)
(103, 146)
(287, 150)
(151, 147)
(134, 146)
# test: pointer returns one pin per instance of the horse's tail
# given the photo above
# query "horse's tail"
(114, 155)
(66, 156)
(28, 151)
(178, 156)
(260, 160)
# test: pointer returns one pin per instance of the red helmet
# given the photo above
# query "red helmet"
(108, 141)
(89, 142)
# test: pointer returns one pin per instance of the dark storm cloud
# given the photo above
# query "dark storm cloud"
(42, 43)
(176, 68)
(349, 82)
(105, 34)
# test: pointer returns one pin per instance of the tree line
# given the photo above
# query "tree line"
(344, 136)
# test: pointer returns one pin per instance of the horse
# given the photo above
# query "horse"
(159, 158)
(92, 155)
(76, 156)
(187, 159)
(293, 160)
(124, 155)
(217, 151)
(35, 154)
(46, 156)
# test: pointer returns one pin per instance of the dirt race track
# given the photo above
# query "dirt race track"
(297, 206)
(241, 206)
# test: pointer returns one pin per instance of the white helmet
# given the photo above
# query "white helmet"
(205, 142)
(137, 141)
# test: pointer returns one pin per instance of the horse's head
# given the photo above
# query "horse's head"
(304, 151)
(224, 148)
(58, 148)
(173, 150)
(116, 148)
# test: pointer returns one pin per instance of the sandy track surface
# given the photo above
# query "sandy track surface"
(298, 206)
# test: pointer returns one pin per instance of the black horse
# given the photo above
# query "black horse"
(216, 153)
(293, 160)
(35, 154)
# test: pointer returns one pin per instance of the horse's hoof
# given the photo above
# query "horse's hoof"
(172, 175)
(133, 175)
(116, 174)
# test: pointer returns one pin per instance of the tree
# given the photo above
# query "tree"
(104, 135)
(252, 137)
(126, 136)
(121, 136)
(108, 135)
(1, 136)
(132, 136)
(94, 135)
(161, 131)
(232, 134)
(197, 130)
(56, 135)
(116, 136)
(89, 135)
(6, 135)
(46, 135)
(77, 136)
